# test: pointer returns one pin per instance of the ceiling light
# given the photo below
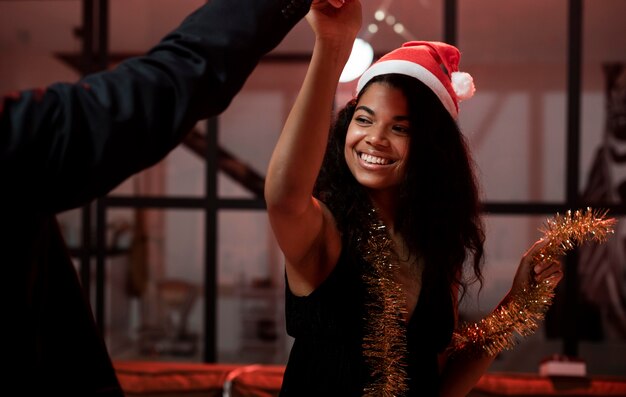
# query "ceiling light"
(360, 59)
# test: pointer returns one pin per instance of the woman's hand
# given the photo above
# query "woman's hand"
(530, 270)
(335, 20)
(334, 3)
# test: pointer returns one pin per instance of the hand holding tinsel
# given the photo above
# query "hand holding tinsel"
(525, 306)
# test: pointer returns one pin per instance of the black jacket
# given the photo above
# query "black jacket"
(66, 144)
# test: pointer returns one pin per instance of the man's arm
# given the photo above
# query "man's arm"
(65, 145)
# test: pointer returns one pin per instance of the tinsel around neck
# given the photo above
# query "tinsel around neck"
(384, 342)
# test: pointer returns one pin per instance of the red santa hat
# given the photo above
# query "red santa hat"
(433, 63)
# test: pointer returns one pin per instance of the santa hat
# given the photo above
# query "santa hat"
(433, 63)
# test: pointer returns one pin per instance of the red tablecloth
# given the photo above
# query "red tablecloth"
(172, 379)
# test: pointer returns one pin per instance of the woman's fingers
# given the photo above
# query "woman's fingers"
(551, 271)
(334, 3)
(535, 248)
(528, 262)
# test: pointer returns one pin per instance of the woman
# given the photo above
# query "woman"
(390, 193)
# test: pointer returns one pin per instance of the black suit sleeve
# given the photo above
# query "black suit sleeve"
(62, 146)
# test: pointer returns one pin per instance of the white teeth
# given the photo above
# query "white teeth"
(373, 159)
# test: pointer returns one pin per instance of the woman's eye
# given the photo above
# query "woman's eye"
(402, 129)
(362, 120)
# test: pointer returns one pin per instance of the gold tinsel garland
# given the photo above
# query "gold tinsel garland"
(522, 314)
(384, 342)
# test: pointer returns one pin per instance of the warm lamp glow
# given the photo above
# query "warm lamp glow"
(360, 59)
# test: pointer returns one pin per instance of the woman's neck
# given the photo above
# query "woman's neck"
(385, 204)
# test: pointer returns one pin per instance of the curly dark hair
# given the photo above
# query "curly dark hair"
(439, 207)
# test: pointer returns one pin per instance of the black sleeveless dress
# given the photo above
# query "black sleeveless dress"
(327, 359)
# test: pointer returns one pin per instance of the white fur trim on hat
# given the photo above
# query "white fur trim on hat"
(413, 70)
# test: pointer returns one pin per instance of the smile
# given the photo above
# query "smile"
(368, 158)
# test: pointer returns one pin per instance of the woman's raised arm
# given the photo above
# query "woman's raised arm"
(300, 222)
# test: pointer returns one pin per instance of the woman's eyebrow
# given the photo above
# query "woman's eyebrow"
(364, 108)
(371, 112)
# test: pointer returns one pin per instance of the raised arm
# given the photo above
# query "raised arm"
(66, 144)
(463, 371)
(301, 223)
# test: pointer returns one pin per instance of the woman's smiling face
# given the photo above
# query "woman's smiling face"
(377, 141)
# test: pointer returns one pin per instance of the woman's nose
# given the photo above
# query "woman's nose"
(377, 137)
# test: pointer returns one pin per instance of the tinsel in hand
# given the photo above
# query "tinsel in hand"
(384, 342)
(522, 313)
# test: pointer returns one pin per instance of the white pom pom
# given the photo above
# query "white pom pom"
(463, 85)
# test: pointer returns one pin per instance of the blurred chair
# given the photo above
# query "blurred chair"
(171, 336)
